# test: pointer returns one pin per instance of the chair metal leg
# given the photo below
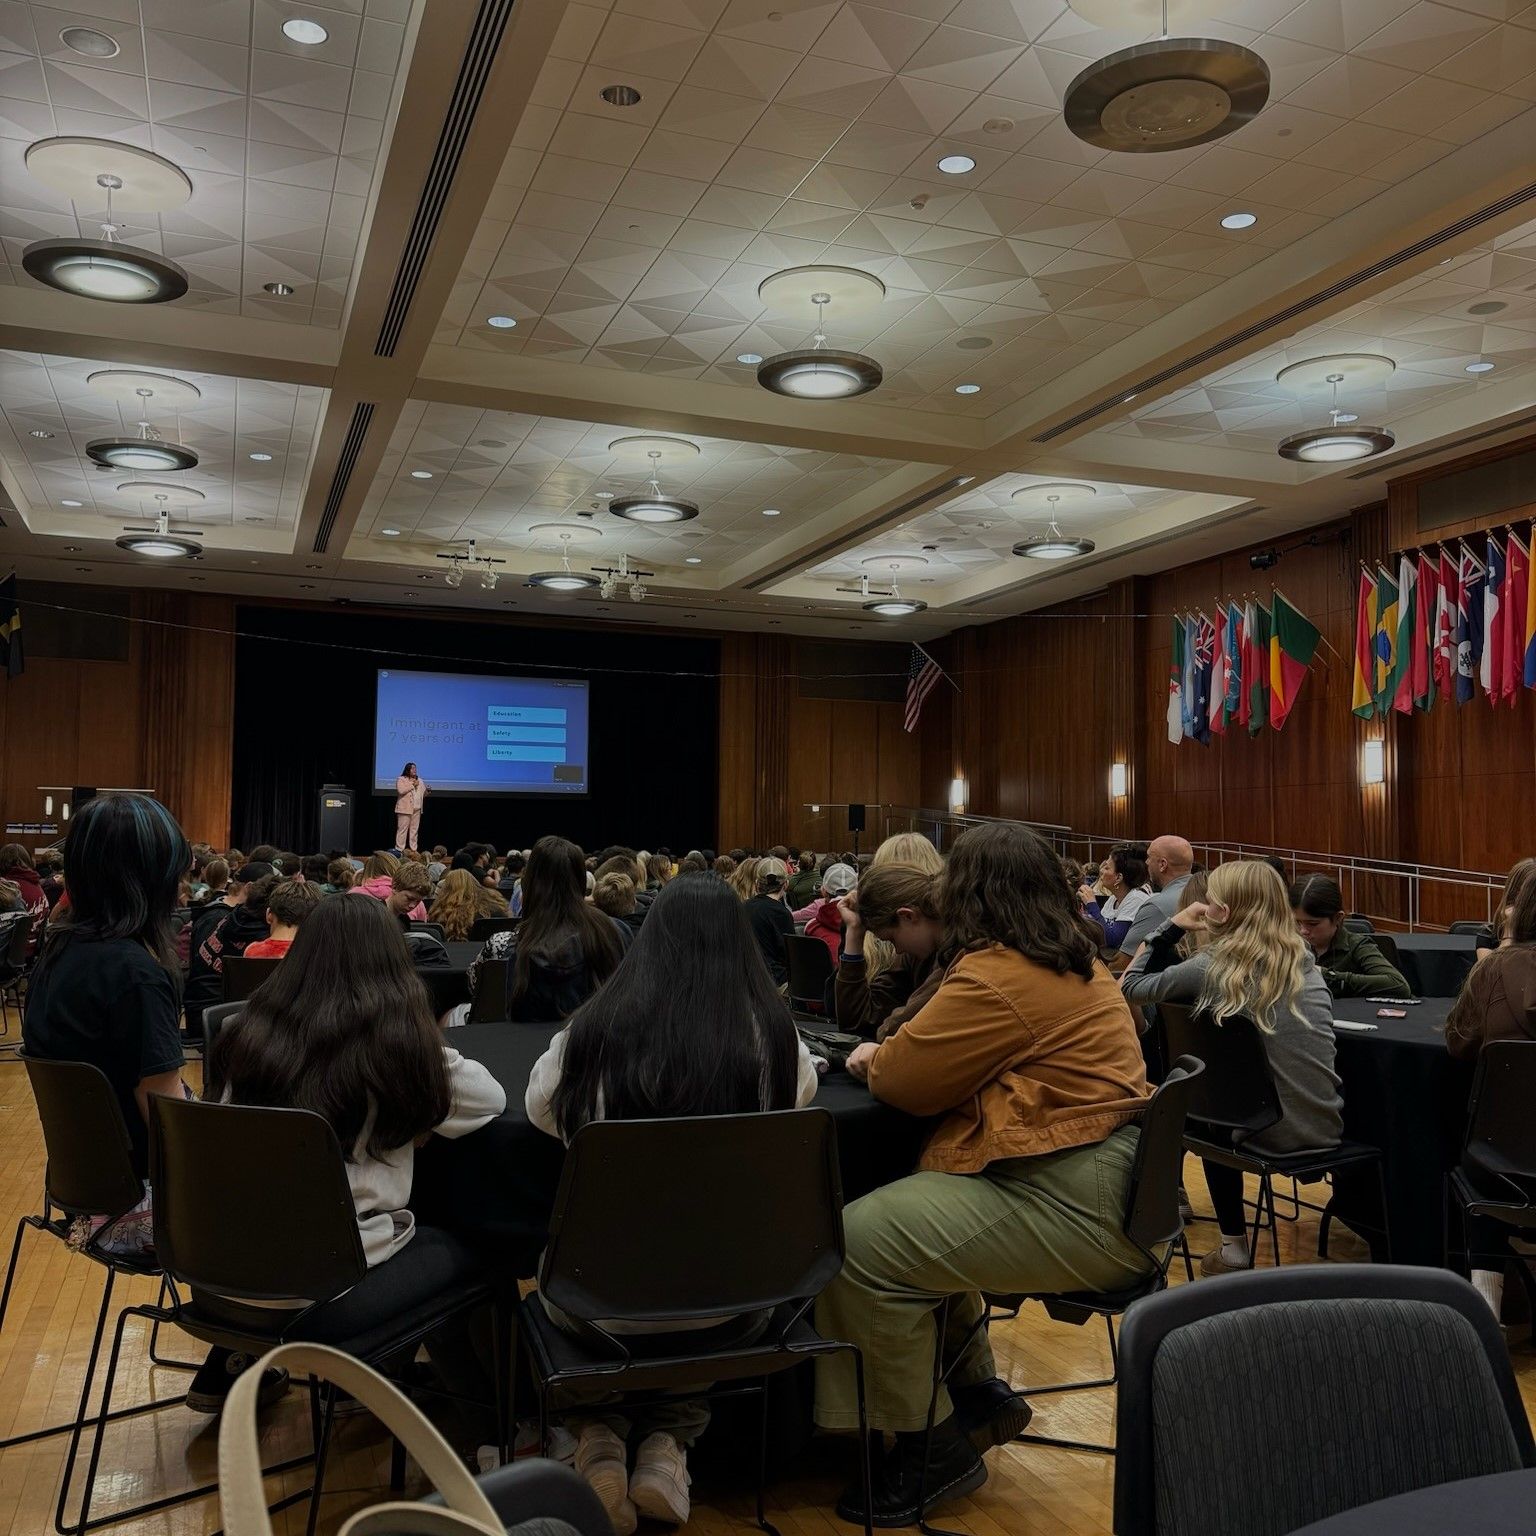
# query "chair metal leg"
(864, 1467)
(327, 1420)
(762, 1463)
(1189, 1266)
(1267, 1191)
(167, 1293)
(1077, 1386)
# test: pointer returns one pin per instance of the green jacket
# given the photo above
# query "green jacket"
(1354, 967)
(803, 885)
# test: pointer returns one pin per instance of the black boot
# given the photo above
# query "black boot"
(991, 1412)
(896, 1481)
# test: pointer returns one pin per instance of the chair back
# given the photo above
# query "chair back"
(1360, 1381)
(1501, 1130)
(1237, 1090)
(1152, 1201)
(15, 940)
(1468, 925)
(809, 966)
(90, 1158)
(1355, 923)
(215, 1017)
(483, 927)
(662, 1220)
(489, 1005)
(243, 974)
(426, 948)
(252, 1203)
(435, 929)
(1388, 946)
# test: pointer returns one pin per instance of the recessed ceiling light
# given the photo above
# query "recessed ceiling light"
(693, 560)
(71, 503)
(71, 549)
(501, 322)
(956, 165)
(40, 432)
(421, 474)
(1344, 418)
(299, 29)
(278, 290)
(261, 458)
(1240, 221)
(1330, 445)
(967, 389)
(306, 586)
(390, 533)
(90, 43)
(751, 359)
(620, 95)
(1483, 367)
(1487, 307)
(770, 511)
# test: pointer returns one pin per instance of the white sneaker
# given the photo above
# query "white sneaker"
(600, 1458)
(659, 1486)
(562, 1443)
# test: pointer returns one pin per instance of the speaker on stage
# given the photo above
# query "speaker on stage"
(335, 817)
(855, 818)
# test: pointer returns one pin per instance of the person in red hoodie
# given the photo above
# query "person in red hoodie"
(16, 866)
(824, 921)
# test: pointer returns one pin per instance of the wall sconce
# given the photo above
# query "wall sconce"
(815, 810)
(48, 805)
(957, 795)
(1373, 762)
(1117, 781)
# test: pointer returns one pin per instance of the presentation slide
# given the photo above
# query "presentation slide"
(481, 735)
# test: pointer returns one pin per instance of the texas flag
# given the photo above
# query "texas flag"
(1447, 603)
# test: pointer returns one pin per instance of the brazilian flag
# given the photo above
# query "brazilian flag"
(1384, 647)
(10, 630)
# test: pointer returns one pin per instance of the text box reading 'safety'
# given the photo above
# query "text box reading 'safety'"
(522, 714)
(522, 752)
(554, 733)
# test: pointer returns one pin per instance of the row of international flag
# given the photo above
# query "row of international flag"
(1243, 668)
(1446, 622)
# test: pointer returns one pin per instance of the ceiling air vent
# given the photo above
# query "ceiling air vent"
(346, 462)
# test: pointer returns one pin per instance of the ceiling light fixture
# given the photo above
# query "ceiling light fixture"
(693, 560)
(146, 451)
(68, 503)
(820, 372)
(1482, 367)
(751, 359)
(1240, 221)
(90, 43)
(1337, 443)
(40, 432)
(771, 512)
(620, 95)
(159, 542)
(260, 458)
(278, 290)
(308, 34)
(390, 533)
(967, 389)
(565, 579)
(1053, 545)
(956, 165)
(421, 474)
(84, 170)
(1169, 94)
(501, 322)
(653, 507)
(889, 605)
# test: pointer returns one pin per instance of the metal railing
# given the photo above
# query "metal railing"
(1390, 892)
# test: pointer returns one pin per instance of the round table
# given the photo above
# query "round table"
(1436, 964)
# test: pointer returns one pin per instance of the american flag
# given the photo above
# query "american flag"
(921, 676)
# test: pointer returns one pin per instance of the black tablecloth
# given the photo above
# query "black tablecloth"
(1436, 964)
(448, 985)
(1404, 1094)
(1501, 1505)
(499, 1183)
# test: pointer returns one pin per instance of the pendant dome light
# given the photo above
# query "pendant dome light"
(1053, 545)
(1342, 441)
(146, 451)
(653, 507)
(821, 372)
(565, 579)
(889, 605)
(159, 542)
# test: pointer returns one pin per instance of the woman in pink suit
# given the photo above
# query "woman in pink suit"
(410, 791)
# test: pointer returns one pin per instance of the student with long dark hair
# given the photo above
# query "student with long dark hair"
(1027, 1056)
(690, 1023)
(1351, 963)
(563, 948)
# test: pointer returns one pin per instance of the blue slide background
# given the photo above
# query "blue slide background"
(482, 735)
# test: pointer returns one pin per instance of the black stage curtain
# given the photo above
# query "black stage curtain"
(304, 706)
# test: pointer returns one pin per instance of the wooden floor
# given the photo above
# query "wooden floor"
(47, 1336)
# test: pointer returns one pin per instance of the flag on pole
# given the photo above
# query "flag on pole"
(1216, 704)
(1191, 674)
(1408, 632)
(1176, 663)
(1428, 585)
(1529, 669)
(1292, 644)
(1363, 701)
(1205, 650)
(1469, 624)
(1447, 606)
(1491, 674)
(1256, 666)
(10, 630)
(1517, 586)
(922, 673)
(1234, 701)
(1384, 642)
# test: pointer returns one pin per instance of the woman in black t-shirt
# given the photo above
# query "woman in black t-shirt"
(106, 991)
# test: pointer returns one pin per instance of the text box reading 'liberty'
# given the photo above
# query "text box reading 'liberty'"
(522, 714)
(552, 733)
(523, 752)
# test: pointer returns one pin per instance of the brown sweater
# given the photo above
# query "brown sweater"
(1497, 1002)
(1018, 1060)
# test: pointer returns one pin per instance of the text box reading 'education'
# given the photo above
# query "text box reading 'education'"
(551, 733)
(523, 752)
(522, 714)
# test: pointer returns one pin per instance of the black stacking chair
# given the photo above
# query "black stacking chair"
(810, 968)
(489, 1005)
(242, 975)
(435, 929)
(215, 1017)
(1355, 923)
(1237, 1094)
(1324, 1365)
(483, 927)
(296, 1239)
(1497, 1176)
(1467, 925)
(1388, 946)
(720, 1217)
(1153, 1224)
(89, 1173)
(15, 938)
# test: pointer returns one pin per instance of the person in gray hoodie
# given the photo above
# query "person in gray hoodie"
(1252, 963)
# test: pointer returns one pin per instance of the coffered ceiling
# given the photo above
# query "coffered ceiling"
(434, 164)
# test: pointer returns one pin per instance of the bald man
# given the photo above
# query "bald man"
(1169, 861)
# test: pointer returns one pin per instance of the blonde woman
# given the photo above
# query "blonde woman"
(460, 899)
(743, 879)
(1252, 962)
(900, 848)
(897, 906)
